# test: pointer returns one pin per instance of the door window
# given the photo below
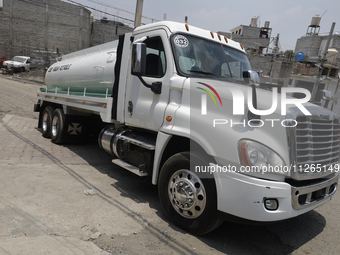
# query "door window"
(155, 57)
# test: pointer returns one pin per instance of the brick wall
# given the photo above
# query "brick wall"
(301, 68)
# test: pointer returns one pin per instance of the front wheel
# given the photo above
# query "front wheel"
(188, 199)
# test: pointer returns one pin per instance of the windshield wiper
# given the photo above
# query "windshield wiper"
(203, 72)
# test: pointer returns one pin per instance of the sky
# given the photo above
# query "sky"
(289, 18)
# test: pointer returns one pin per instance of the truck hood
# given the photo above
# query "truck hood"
(10, 62)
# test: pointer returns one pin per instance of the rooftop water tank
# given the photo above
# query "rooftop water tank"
(300, 56)
(253, 22)
(315, 21)
(331, 56)
(266, 24)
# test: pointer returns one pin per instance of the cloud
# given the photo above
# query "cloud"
(299, 11)
(295, 11)
(218, 19)
(273, 18)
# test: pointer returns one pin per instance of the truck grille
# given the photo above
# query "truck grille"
(317, 146)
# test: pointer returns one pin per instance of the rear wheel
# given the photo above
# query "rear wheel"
(47, 121)
(188, 199)
(57, 127)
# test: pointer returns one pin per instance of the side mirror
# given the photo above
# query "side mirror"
(138, 59)
(251, 78)
(327, 95)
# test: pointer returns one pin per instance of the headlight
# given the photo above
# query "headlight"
(261, 158)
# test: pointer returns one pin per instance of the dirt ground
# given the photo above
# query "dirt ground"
(43, 209)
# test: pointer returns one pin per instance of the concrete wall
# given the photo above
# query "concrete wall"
(44, 29)
(310, 46)
(250, 38)
(44, 25)
(107, 31)
(285, 71)
(267, 65)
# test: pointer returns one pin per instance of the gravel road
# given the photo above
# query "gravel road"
(17, 97)
(43, 209)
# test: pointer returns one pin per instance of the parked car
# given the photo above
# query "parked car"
(2, 59)
(18, 63)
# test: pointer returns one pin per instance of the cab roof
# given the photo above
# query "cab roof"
(176, 27)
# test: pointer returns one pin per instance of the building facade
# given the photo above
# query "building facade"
(312, 48)
(254, 39)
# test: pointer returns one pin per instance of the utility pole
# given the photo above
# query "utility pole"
(274, 52)
(277, 43)
(138, 15)
(336, 91)
(276, 48)
(322, 62)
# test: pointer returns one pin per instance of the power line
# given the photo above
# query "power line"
(119, 9)
(88, 7)
(52, 6)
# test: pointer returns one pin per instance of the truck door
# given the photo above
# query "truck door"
(144, 108)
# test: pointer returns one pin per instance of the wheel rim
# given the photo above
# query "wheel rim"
(187, 194)
(45, 122)
(55, 123)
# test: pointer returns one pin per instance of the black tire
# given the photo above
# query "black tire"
(46, 121)
(57, 126)
(189, 201)
(22, 69)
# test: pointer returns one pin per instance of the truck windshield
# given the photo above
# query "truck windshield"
(198, 57)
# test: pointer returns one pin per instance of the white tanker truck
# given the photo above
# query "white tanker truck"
(171, 103)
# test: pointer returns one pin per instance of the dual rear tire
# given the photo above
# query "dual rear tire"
(53, 122)
(46, 121)
(57, 126)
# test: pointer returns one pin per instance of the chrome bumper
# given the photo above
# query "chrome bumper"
(303, 197)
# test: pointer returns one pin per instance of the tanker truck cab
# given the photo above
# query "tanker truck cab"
(173, 106)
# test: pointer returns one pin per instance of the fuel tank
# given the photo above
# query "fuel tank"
(89, 71)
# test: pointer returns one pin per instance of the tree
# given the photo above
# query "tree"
(289, 54)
